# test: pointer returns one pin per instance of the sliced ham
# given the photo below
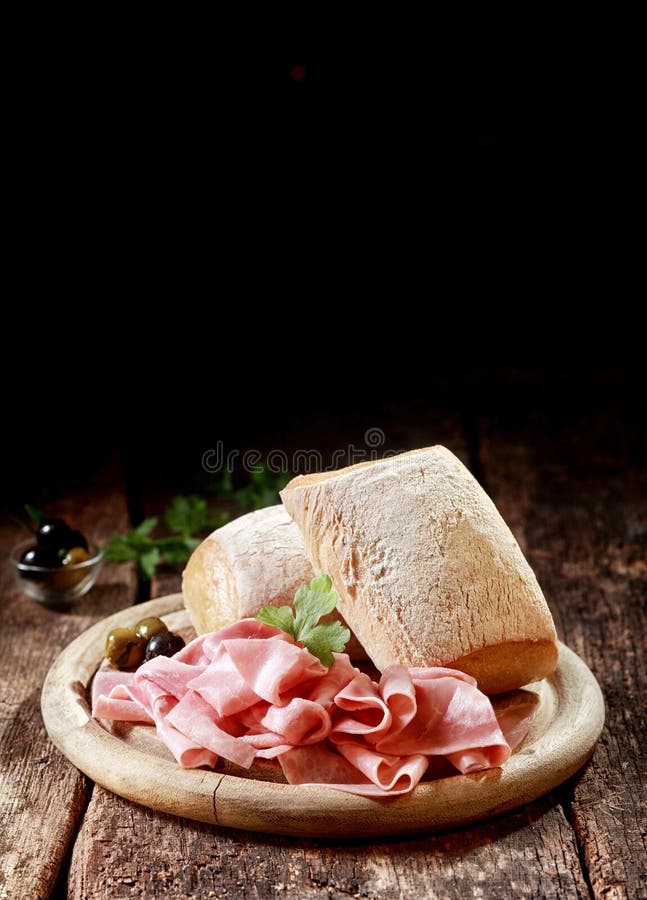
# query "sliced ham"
(111, 698)
(324, 690)
(190, 754)
(106, 680)
(301, 722)
(248, 692)
(514, 712)
(319, 765)
(271, 668)
(195, 718)
(120, 710)
(223, 687)
(172, 676)
(451, 716)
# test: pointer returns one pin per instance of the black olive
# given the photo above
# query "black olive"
(38, 556)
(163, 644)
(55, 534)
(74, 539)
(52, 534)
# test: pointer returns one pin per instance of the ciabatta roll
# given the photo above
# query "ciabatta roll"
(426, 570)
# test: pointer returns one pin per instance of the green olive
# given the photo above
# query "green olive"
(146, 628)
(124, 648)
(75, 555)
(63, 578)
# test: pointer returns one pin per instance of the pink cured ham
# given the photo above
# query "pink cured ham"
(248, 691)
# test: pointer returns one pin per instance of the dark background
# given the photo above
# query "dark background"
(162, 454)
(288, 246)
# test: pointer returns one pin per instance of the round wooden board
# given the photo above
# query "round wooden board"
(131, 762)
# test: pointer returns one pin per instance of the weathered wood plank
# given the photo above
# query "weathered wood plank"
(129, 851)
(42, 796)
(577, 498)
(165, 581)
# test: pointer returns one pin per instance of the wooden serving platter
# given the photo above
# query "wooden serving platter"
(130, 761)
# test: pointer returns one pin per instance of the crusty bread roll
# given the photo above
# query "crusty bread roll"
(426, 570)
(255, 560)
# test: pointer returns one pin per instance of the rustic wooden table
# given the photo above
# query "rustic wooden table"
(575, 494)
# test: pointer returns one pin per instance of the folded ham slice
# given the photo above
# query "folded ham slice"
(248, 691)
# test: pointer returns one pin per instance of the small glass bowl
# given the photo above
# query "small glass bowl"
(56, 587)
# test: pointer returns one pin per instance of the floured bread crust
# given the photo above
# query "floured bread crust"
(427, 571)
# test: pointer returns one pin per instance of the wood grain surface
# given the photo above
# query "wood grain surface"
(40, 795)
(582, 516)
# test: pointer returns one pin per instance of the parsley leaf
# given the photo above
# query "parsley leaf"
(120, 549)
(311, 602)
(323, 639)
(187, 517)
(278, 616)
(144, 528)
(148, 561)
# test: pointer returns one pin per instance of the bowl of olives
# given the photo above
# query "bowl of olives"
(57, 565)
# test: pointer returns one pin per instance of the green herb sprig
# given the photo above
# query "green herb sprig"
(311, 602)
(186, 517)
